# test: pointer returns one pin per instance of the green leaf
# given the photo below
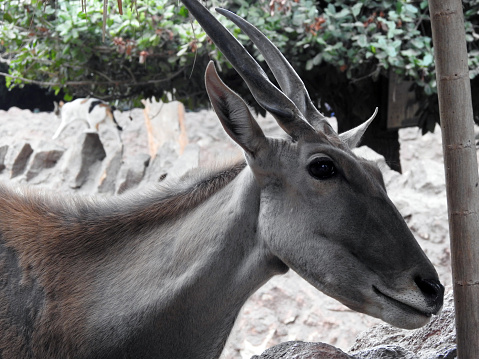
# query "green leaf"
(66, 49)
(183, 11)
(418, 43)
(331, 9)
(183, 50)
(362, 40)
(343, 13)
(410, 8)
(399, 7)
(391, 51)
(7, 17)
(409, 53)
(356, 9)
(427, 60)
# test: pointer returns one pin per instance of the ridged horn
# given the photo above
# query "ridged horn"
(288, 79)
(354, 136)
(268, 96)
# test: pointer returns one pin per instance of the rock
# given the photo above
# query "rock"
(385, 352)
(3, 153)
(165, 123)
(17, 158)
(132, 172)
(427, 177)
(110, 171)
(84, 159)
(134, 135)
(161, 164)
(288, 308)
(302, 350)
(436, 340)
(41, 160)
(188, 160)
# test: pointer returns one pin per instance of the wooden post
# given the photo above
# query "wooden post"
(455, 108)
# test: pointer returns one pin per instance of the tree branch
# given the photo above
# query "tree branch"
(99, 83)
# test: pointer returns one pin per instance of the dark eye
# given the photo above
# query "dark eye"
(322, 168)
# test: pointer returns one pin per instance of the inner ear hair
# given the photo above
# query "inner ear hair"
(234, 114)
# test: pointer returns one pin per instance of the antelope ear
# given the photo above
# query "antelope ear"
(233, 113)
(354, 135)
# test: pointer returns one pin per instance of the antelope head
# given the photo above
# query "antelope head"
(323, 211)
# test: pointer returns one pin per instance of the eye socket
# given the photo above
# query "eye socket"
(322, 168)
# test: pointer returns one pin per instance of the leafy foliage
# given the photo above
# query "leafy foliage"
(352, 44)
(341, 47)
(145, 52)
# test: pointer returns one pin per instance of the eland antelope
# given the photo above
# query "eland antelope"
(164, 274)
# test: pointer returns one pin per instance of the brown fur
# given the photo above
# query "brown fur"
(60, 244)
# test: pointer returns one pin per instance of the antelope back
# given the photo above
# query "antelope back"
(323, 211)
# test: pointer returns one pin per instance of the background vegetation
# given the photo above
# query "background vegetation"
(147, 49)
(345, 50)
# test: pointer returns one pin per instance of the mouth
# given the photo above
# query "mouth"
(405, 307)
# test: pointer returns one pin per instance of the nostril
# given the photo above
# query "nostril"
(432, 289)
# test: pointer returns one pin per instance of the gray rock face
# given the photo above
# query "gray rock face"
(302, 350)
(436, 340)
(41, 160)
(84, 159)
(165, 125)
(132, 173)
(187, 161)
(385, 352)
(161, 164)
(96, 163)
(3, 153)
(110, 171)
(18, 156)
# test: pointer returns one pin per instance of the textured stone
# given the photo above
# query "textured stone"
(161, 164)
(385, 352)
(110, 171)
(41, 160)
(302, 350)
(84, 159)
(18, 156)
(132, 172)
(436, 340)
(187, 161)
(3, 153)
(165, 123)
